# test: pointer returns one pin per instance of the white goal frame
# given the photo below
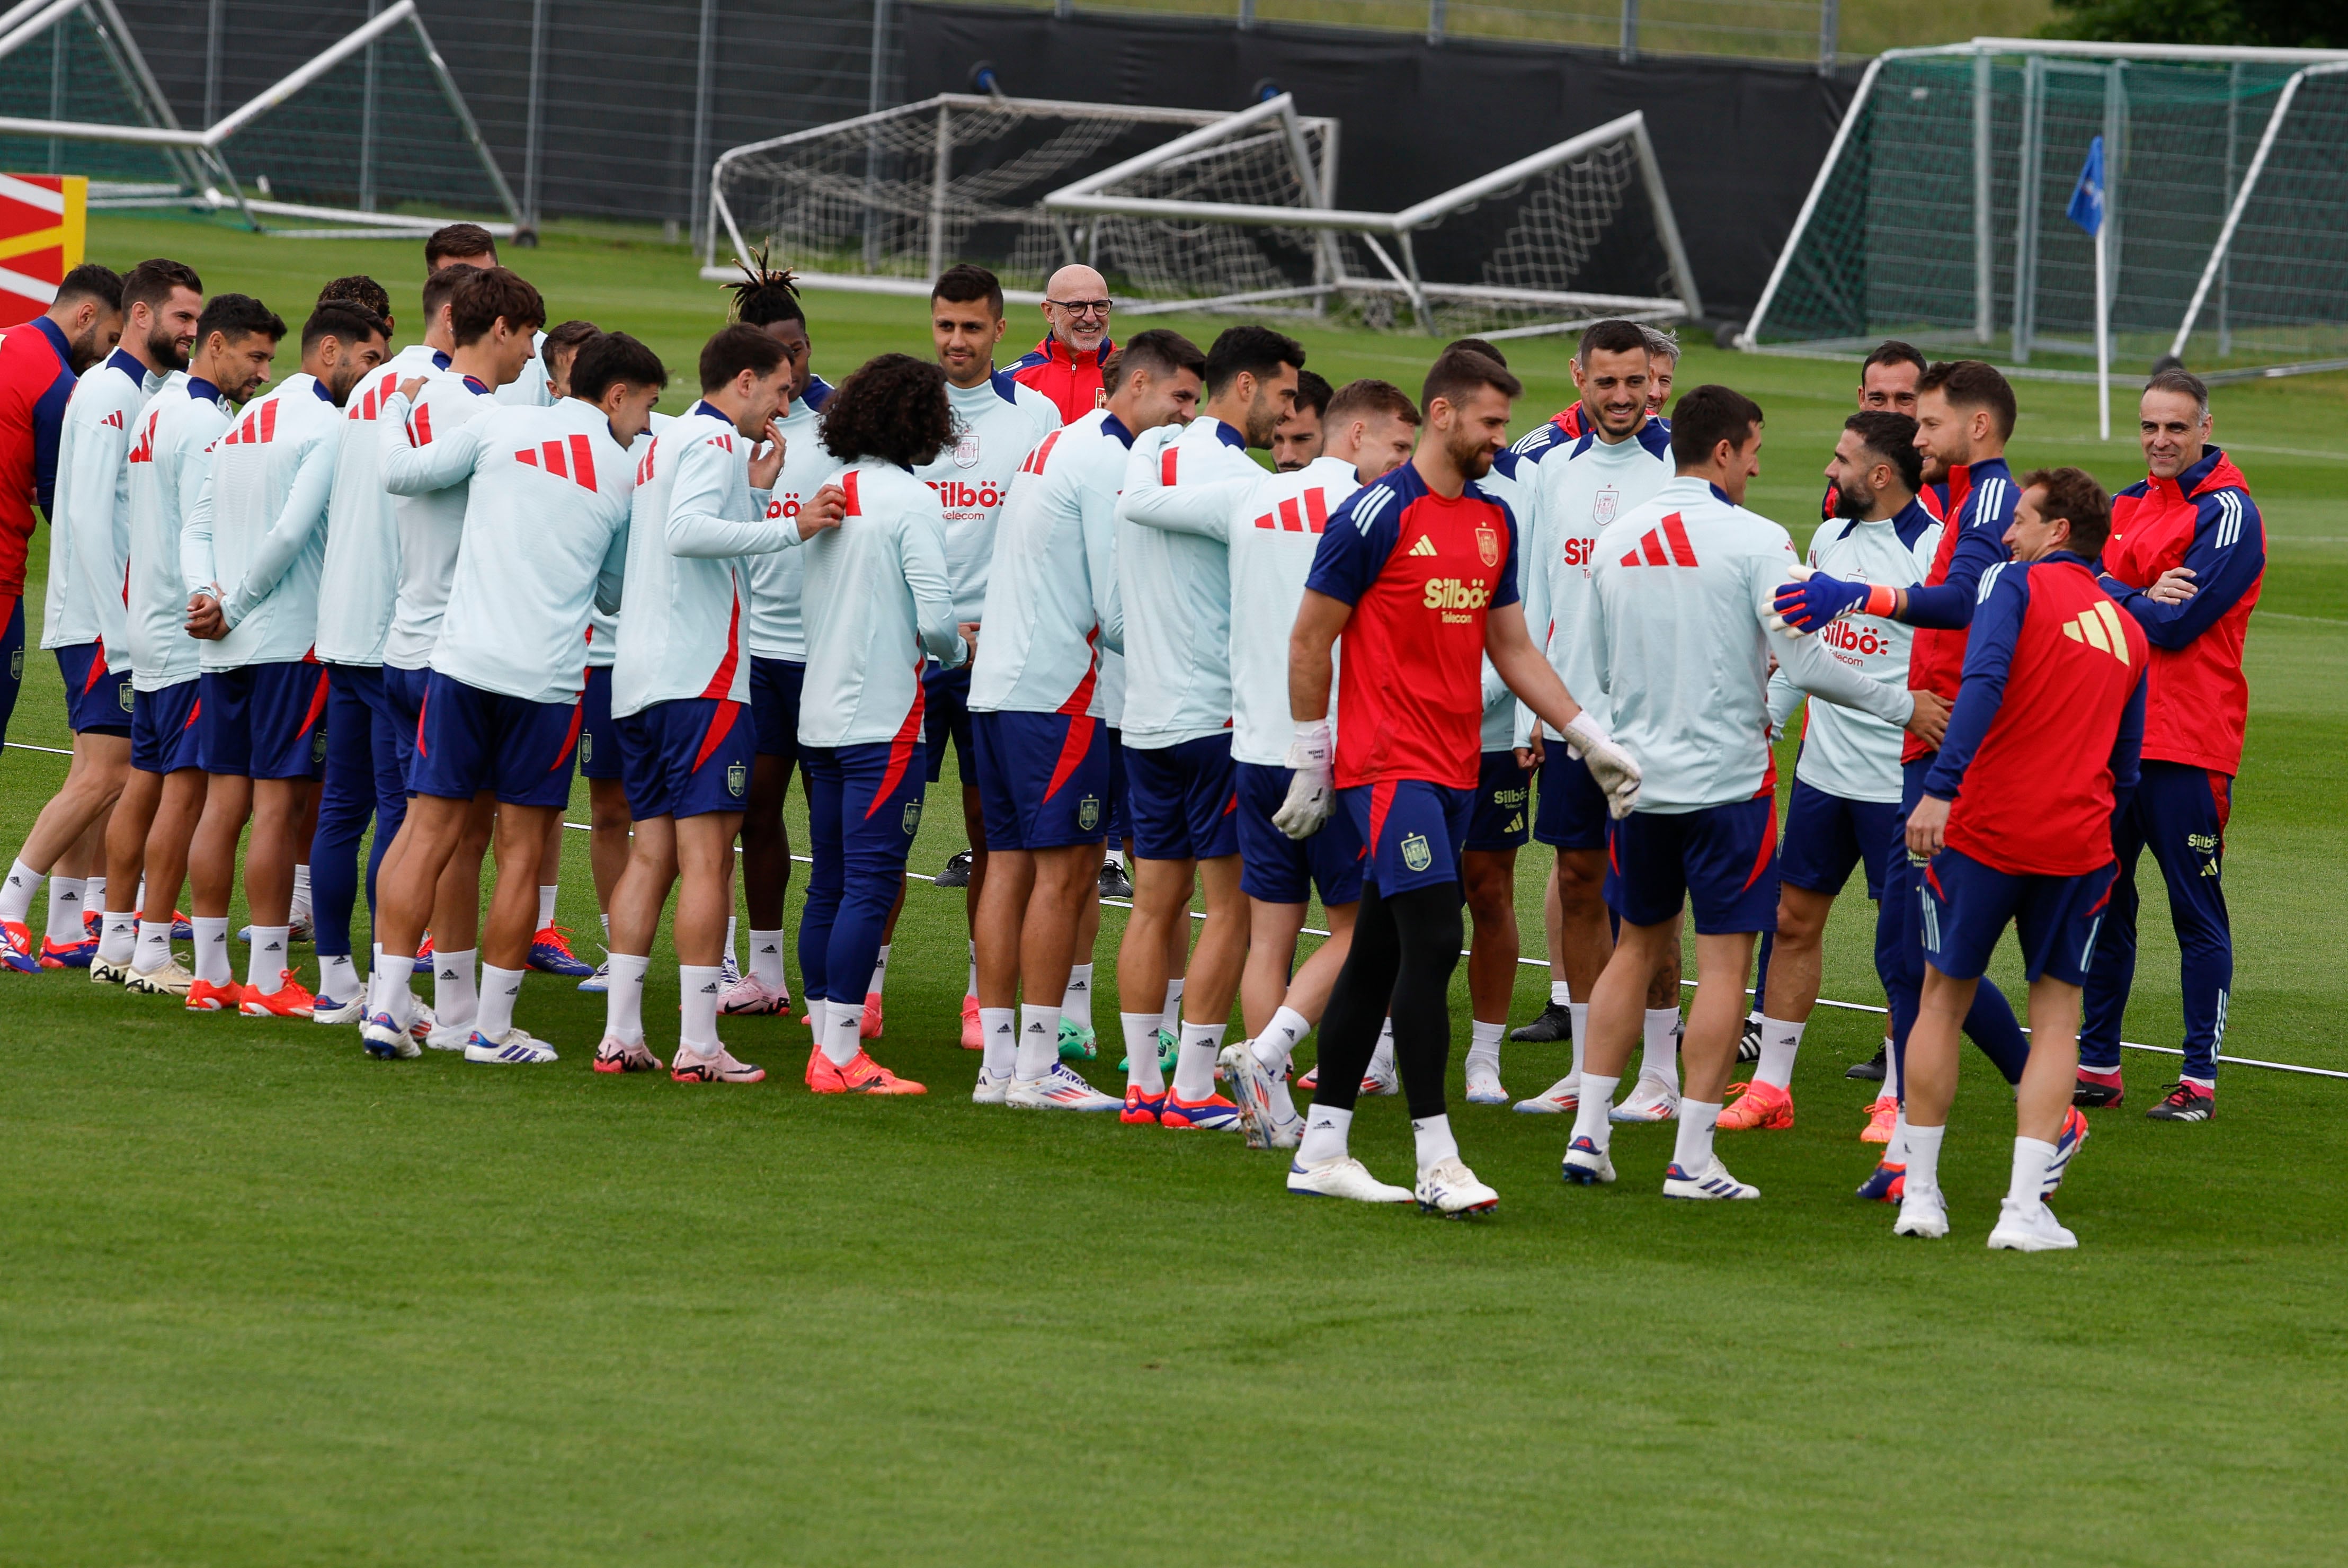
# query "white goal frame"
(209, 183)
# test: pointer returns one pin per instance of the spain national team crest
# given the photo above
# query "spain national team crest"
(737, 778)
(317, 740)
(1087, 814)
(966, 449)
(1415, 852)
(1603, 507)
(123, 692)
(1488, 544)
(17, 665)
(586, 748)
(912, 818)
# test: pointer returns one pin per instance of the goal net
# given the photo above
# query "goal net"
(371, 134)
(1940, 215)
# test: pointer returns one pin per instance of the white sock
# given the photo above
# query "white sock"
(1484, 1047)
(387, 987)
(1194, 1069)
(501, 989)
(1692, 1151)
(300, 905)
(93, 895)
(1117, 859)
(733, 951)
(1169, 1016)
(118, 937)
(1924, 1158)
(1076, 1001)
(338, 977)
(154, 946)
(1141, 1072)
(1039, 1043)
(969, 988)
(1284, 1105)
(265, 966)
(17, 893)
(699, 984)
(546, 892)
(1590, 1116)
(455, 1002)
(1580, 1033)
(1779, 1041)
(1278, 1043)
(1661, 1060)
(2033, 1157)
(65, 911)
(1324, 1135)
(999, 1038)
(1890, 1072)
(1436, 1144)
(212, 951)
(767, 960)
(623, 1003)
(880, 971)
(607, 934)
(1560, 993)
(1382, 1062)
(1896, 1151)
(843, 1037)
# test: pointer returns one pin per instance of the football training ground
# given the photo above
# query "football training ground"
(264, 1300)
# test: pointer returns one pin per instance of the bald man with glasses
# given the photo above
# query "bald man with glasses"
(1066, 365)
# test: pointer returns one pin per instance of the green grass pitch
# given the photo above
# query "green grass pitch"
(263, 1301)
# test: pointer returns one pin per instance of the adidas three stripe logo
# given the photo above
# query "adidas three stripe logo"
(2099, 626)
(549, 455)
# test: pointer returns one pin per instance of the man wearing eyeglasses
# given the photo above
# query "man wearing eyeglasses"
(1066, 365)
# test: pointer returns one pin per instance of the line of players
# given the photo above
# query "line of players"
(1134, 521)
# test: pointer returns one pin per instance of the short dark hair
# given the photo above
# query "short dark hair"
(1368, 399)
(1892, 351)
(1249, 350)
(1611, 337)
(731, 350)
(91, 281)
(487, 295)
(765, 295)
(1477, 346)
(1312, 392)
(1706, 416)
(1162, 351)
(2177, 379)
(570, 338)
(438, 287)
(965, 284)
(151, 283)
(1458, 371)
(611, 359)
(360, 290)
(893, 407)
(2073, 493)
(235, 315)
(1970, 384)
(1892, 437)
(457, 241)
(353, 325)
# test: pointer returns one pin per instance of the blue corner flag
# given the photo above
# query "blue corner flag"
(2086, 208)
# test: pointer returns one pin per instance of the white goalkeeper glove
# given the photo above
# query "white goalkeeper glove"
(1313, 792)
(1615, 769)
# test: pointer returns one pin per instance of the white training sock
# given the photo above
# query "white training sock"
(388, 988)
(154, 946)
(455, 1001)
(733, 951)
(1580, 1033)
(118, 935)
(1560, 993)
(843, 1037)
(1590, 1116)
(1141, 1070)
(623, 1003)
(1169, 1016)
(1779, 1041)
(1117, 859)
(2033, 1157)
(546, 892)
(338, 977)
(607, 934)
(93, 895)
(1484, 1044)
(1382, 1062)
(1039, 1043)
(300, 905)
(65, 911)
(699, 985)
(1692, 1152)
(880, 971)
(767, 960)
(1194, 1069)
(265, 964)
(1284, 1105)
(971, 987)
(1433, 1136)
(1324, 1135)
(999, 1038)
(1890, 1072)
(1076, 1001)
(17, 893)
(1924, 1158)
(500, 990)
(1660, 1059)
(1278, 1043)
(1896, 1151)
(212, 951)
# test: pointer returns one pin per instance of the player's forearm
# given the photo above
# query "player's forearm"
(306, 511)
(1978, 701)
(924, 565)
(197, 571)
(409, 468)
(1805, 662)
(1202, 509)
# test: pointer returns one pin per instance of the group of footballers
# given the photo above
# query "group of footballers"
(417, 588)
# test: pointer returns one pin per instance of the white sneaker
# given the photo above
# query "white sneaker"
(601, 980)
(1711, 1181)
(326, 1010)
(1344, 1178)
(1922, 1212)
(729, 973)
(422, 1020)
(2031, 1230)
(750, 995)
(1450, 1189)
(1286, 1132)
(1587, 1165)
(1651, 1100)
(1484, 1087)
(1060, 1089)
(1562, 1098)
(107, 972)
(990, 1089)
(512, 1048)
(384, 1040)
(448, 1037)
(172, 980)
(300, 926)
(1382, 1078)
(1248, 1084)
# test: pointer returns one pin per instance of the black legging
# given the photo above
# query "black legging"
(1405, 949)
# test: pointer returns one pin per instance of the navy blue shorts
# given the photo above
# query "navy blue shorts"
(1721, 859)
(1827, 835)
(946, 706)
(1043, 780)
(1276, 868)
(775, 686)
(1184, 800)
(1573, 813)
(468, 740)
(12, 659)
(1966, 906)
(599, 734)
(1414, 830)
(403, 693)
(1502, 818)
(264, 721)
(163, 729)
(1120, 803)
(688, 757)
(97, 700)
